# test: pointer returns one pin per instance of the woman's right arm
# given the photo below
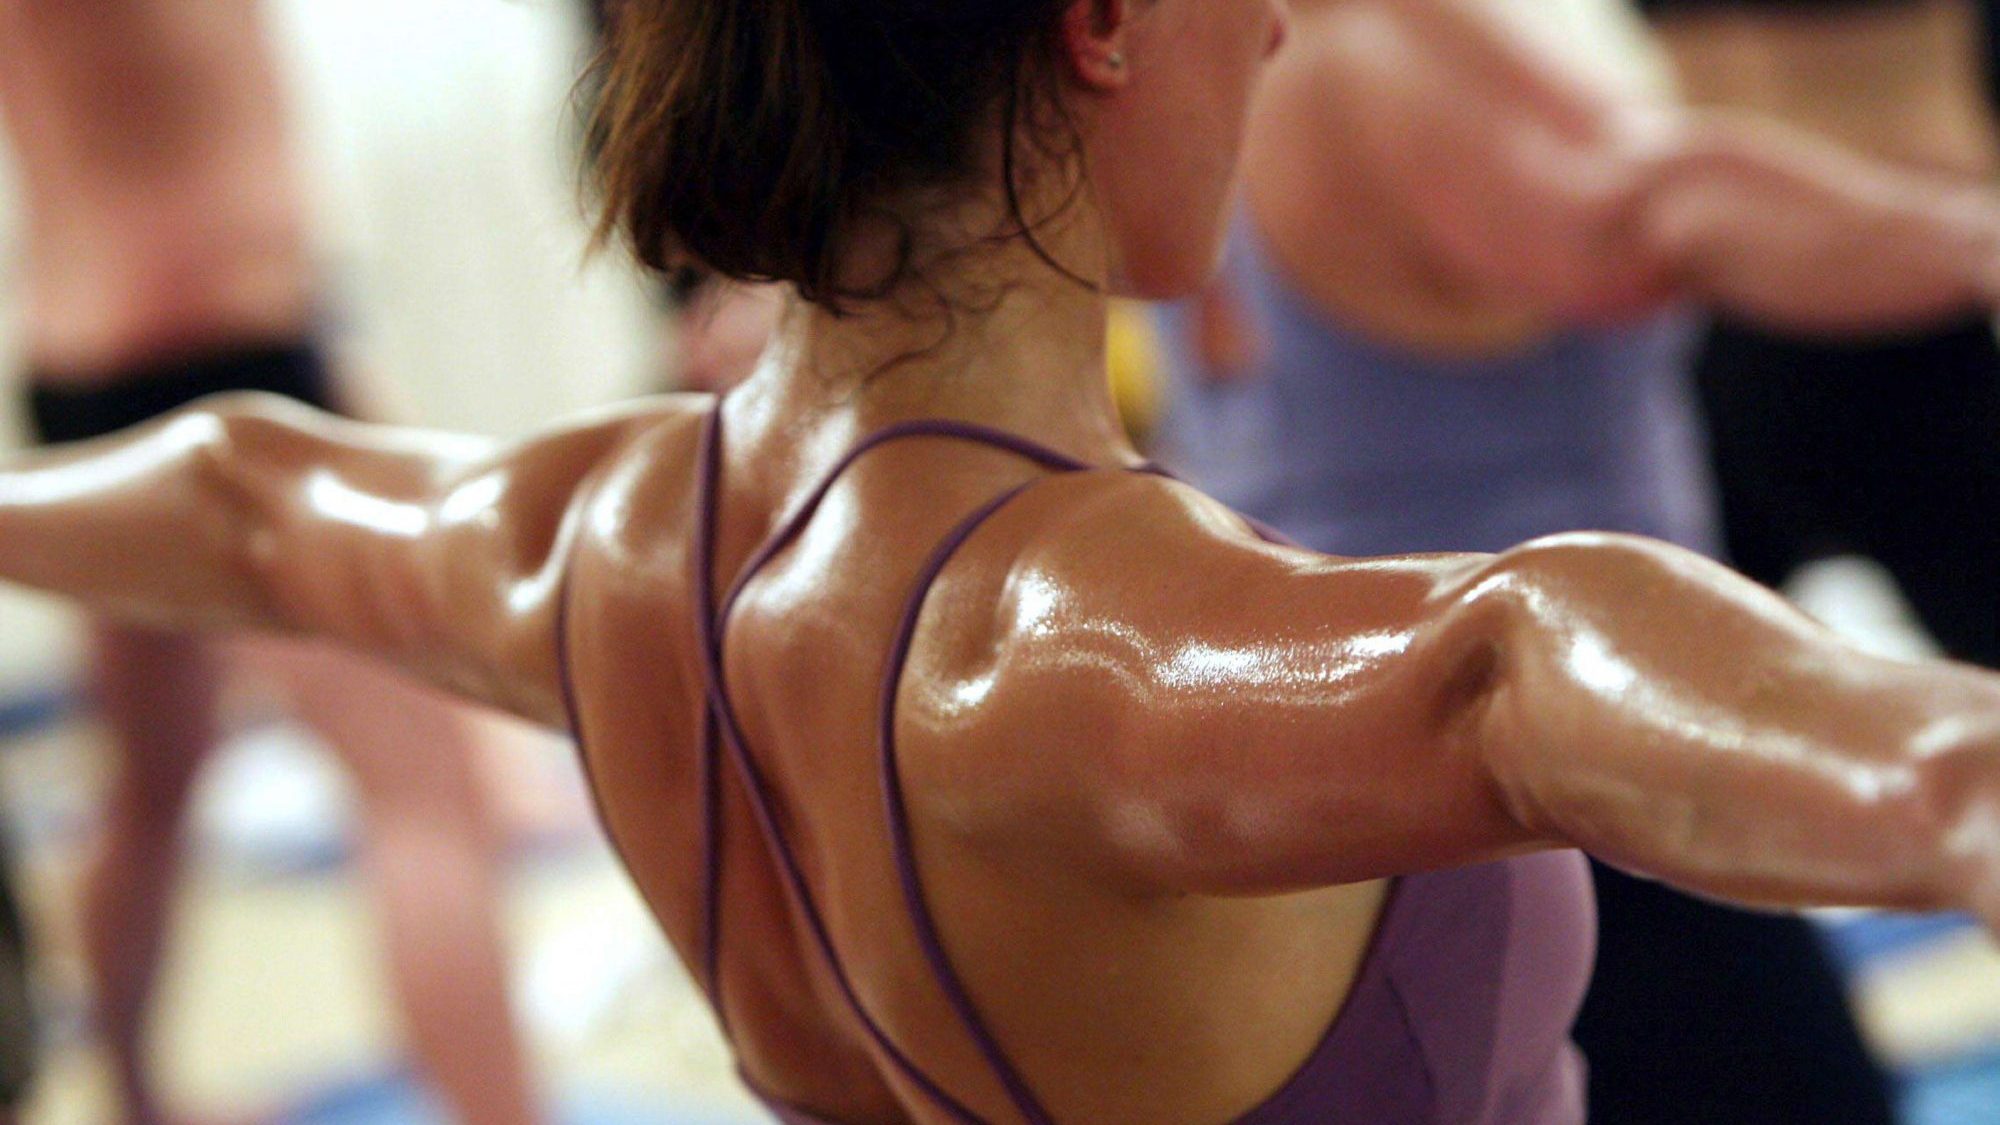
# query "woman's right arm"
(1251, 719)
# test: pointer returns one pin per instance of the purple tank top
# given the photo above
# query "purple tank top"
(1358, 448)
(1461, 1010)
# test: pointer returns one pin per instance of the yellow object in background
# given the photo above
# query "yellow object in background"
(1132, 358)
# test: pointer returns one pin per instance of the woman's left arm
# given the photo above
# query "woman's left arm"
(440, 553)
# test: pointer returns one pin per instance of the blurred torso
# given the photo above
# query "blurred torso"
(1898, 79)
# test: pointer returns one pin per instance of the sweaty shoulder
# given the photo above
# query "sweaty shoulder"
(639, 506)
(1107, 623)
(1150, 558)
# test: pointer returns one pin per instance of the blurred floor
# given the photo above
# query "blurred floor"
(274, 1003)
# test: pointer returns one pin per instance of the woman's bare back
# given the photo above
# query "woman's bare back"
(1199, 1005)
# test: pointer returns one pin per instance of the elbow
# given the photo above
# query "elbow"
(235, 476)
(1552, 595)
(1493, 615)
(252, 416)
(1529, 656)
(1478, 656)
(1641, 238)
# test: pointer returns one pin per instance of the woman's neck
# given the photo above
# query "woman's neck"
(999, 337)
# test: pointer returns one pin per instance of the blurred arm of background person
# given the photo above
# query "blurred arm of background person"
(1442, 148)
(1901, 80)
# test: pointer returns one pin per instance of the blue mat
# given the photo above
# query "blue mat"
(36, 710)
(394, 1099)
(1964, 1093)
(1881, 937)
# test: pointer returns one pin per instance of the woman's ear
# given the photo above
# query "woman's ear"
(1094, 38)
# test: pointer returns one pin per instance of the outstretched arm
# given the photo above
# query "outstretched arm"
(443, 554)
(1250, 719)
(1525, 175)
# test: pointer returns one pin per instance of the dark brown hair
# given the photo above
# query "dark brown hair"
(750, 137)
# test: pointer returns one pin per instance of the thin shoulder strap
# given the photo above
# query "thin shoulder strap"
(914, 899)
(722, 713)
(929, 937)
(792, 526)
(711, 777)
(709, 477)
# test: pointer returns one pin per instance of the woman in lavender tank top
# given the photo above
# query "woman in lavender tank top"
(980, 771)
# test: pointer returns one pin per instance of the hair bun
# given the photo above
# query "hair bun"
(747, 137)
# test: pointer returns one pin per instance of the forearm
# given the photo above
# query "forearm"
(137, 526)
(195, 521)
(1740, 214)
(1671, 718)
